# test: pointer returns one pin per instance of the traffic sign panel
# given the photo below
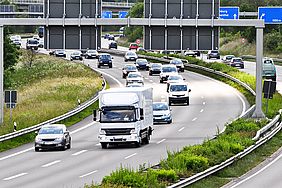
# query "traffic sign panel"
(106, 14)
(122, 14)
(270, 14)
(229, 13)
(138, 41)
(243, 40)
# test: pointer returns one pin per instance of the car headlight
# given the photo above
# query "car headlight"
(124, 72)
(37, 139)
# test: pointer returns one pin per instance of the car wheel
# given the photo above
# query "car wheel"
(187, 101)
(71, 59)
(242, 67)
(170, 121)
(99, 66)
(36, 149)
(146, 140)
(138, 144)
(69, 145)
(182, 70)
(169, 102)
(63, 148)
(150, 73)
(104, 145)
(110, 66)
(161, 81)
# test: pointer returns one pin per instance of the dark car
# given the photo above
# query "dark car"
(113, 45)
(75, 55)
(142, 64)
(83, 52)
(91, 54)
(227, 59)
(155, 68)
(106, 36)
(105, 60)
(213, 54)
(142, 50)
(127, 69)
(53, 136)
(60, 53)
(197, 52)
(237, 62)
(133, 46)
(52, 52)
(165, 52)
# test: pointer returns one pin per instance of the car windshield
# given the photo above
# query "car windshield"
(176, 62)
(174, 78)
(32, 42)
(107, 57)
(134, 76)
(214, 51)
(178, 88)
(134, 85)
(160, 107)
(130, 67)
(141, 62)
(229, 57)
(76, 53)
(118, 115)
(130, 53)
(133, 44)
(92, 51)
(237, 60)
(60, 50)
(156, 65)
(51, 130)
(267, 61)
(169, 69)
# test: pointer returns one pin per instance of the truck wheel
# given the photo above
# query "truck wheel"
(104, 145)
(146, 140)
(137, 144)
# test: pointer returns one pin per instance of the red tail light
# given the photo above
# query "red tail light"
(241, 61)
(218, 53)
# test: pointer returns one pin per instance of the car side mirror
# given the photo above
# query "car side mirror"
(67, 132)
(36, 132)
(170, 109)
(183, 78)
(112, 57)
(189, 90)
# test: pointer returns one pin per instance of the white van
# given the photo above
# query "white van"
(178, 93)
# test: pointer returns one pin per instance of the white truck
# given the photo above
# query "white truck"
(126, 116)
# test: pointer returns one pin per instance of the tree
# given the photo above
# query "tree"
(11, 57)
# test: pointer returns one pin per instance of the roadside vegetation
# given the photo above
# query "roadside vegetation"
(47, 87)
(193, 159)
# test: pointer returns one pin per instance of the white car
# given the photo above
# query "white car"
(190, 53)
(161, 112)
(178, 93)
(134, 77)
(174, 79)
(178, 63)
(166, 71)
(130, 56)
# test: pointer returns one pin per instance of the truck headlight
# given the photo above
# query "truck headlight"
(132, 131)
(102, 132)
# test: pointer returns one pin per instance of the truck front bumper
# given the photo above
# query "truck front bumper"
(119, 139)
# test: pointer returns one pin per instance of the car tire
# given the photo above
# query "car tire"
(150, 73)
(170, 121)
(182, 70)
(169, 102)
(110, 66)
(137, 144)
(63, 148)
(36, 149)
(104, 145)
(71, 59)
(161, 81)
(187, 101)
(69, 145)
(242, 67)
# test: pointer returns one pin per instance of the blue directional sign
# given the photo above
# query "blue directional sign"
(229, 13)
(106, 14)
(270, 14)
(122, 14)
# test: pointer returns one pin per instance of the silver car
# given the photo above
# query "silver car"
(161, 112)
(53, 136)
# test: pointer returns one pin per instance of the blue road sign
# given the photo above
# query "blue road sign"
(106, 14)
(229, 13)
(122, 14)
(270, 14)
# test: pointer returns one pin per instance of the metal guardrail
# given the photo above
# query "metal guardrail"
(254, 57)
(54, 120)
(117, 4)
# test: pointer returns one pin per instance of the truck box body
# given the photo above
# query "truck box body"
(126, 115)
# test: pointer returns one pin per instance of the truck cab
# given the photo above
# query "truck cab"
(128, 119)
(268, 69)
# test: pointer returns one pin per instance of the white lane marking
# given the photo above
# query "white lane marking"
(78, 153)
(32, 148)
(18, 153)
(161, 141)
(194, 119)
(130, 155)
(84, 127)
(119, 83)
(202, 110)
(147, 78)
(88, 173)
(150, 80)
(162, 96)
(154, 83)
(15, 176)
(258, 171)
(181, 129)
(163, 100)
(99, 144)
(202, 97)
(52, 163)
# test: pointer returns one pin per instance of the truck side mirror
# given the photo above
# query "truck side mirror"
(141, 112)
(95, 115)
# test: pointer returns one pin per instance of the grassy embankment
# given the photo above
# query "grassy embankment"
(47, 89)
(193, 159)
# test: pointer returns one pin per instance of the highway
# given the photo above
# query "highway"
(212, 104)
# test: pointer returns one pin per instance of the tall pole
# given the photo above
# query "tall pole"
(259, 55)
(1, 73)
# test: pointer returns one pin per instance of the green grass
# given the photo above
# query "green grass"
(47, 89)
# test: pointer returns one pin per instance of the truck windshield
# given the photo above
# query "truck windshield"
(118, 115)
(178, 88)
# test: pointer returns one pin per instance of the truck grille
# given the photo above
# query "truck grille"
(115, 132)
